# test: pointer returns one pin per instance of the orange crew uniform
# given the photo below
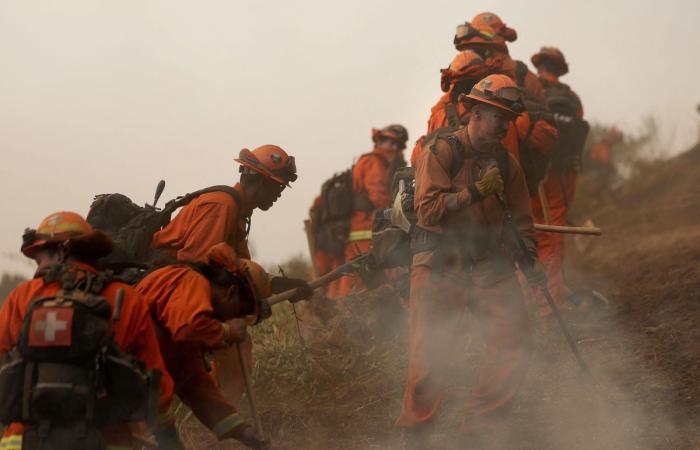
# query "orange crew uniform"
(371, 177)
(487, 34)
(209, 219)
(459, 262)
(133, 333)
(559, 186)
(179, 300)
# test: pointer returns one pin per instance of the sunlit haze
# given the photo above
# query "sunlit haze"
(101, 97)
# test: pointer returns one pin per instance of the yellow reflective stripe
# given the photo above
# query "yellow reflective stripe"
(360, 235)
(13, 442)
(118, 447)
(227, 424)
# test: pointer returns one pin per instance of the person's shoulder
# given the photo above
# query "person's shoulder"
(25, 290)
(370, 159)
(216, 197)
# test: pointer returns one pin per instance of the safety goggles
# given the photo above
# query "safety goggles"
(467, 31)
(510, 97)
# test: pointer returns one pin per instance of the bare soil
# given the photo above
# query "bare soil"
(342, 388)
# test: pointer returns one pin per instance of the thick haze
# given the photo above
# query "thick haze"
(99, 97)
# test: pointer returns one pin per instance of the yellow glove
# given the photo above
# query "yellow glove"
(490, 183)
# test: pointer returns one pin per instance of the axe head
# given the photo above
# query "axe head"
(369, 272)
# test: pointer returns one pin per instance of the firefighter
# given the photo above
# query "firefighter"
(463, 72)
(65, 248)
(218, 217)
(372, 176)
(533, 134)
(559, 182)
(194, 307)
(459, 262)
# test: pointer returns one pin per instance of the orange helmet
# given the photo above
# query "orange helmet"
(496, 90)
(395, 132)
(553, 57)
(70, 227)
(466, 65)
(496, 24)
(469, 36)
(269, 161)
(258, 281)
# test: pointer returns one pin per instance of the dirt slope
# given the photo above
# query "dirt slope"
(342, 390)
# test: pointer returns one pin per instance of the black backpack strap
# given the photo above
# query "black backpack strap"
(521, 71)
(458, 153)
(179, 202)
(452, 116)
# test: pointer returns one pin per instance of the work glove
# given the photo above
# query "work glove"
(535, 274)
(235, 331)
(245, 433)
(282, 284)
(490, 183)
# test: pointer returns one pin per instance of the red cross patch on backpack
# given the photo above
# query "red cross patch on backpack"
(51, 327)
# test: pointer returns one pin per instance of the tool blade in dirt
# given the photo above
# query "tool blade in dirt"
(249, 392)
(524, 261)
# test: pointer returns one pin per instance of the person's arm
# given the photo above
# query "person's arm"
(433, 199)
(138, 338)
(189, 315)
(539, 135)
(11, 318)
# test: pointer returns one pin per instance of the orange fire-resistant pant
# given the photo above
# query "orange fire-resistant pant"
(437, 305)
(559, 190)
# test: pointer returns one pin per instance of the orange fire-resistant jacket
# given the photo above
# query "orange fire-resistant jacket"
(134, 334)
(476, 225)
(371, 176)
(179, 300)
(208, 220)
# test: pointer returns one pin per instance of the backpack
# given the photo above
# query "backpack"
(573, 131)
(331, 224)
(392, 228)
(66, 377)
(132, 227)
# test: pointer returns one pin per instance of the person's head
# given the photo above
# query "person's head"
(63, 236)
(231, 296)
(550, 60)
(238, 285)
(465, 70)
(480, 38)
(391, 140)
(489, 19)
(493, 102)
(265, 173)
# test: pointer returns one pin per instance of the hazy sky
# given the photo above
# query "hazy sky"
(99, 97)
